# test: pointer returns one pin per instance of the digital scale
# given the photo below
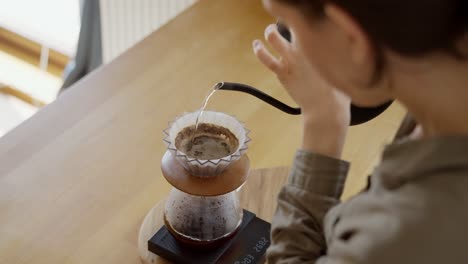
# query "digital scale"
(248, 245)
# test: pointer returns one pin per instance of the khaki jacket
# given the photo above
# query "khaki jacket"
(414, 211)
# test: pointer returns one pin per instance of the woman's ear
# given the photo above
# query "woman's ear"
(359, 45)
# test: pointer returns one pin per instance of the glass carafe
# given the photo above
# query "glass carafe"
(202, 220)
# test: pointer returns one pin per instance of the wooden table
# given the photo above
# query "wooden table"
(77, 179)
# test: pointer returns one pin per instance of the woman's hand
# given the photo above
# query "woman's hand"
(325, 109)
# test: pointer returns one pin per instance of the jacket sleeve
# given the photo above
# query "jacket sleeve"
(315, 184)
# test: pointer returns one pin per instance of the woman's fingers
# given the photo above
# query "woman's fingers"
(278, 42)
(266, 58)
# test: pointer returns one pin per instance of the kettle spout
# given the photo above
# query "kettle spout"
(359, 115)
(239, 87)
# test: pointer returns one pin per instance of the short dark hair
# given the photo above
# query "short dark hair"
(409, 27)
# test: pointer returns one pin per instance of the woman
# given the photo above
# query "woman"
(416, 207)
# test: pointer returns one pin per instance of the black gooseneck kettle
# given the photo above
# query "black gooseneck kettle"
(359, 115)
